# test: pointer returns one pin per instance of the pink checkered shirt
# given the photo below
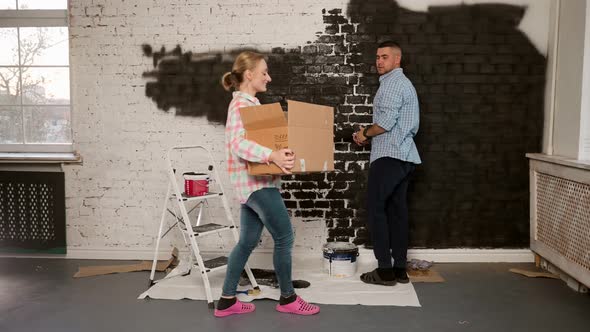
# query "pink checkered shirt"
(239, 151)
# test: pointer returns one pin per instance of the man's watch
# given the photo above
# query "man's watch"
(365, 133)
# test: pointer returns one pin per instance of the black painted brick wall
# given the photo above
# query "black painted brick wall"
(480, 84)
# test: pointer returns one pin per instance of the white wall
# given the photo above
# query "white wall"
(568, 79)
(584, 150)
(114, 199)
(567, 106)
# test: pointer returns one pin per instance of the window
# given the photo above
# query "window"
(34, 76)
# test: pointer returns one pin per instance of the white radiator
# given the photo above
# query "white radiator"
(560, 214)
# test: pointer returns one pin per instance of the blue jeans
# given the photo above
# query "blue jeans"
(265, 207)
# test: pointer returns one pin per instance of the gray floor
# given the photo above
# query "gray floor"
(41, 295)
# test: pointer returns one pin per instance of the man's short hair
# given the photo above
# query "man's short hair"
(389, 43)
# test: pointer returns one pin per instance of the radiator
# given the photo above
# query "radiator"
(560, 214)
(32, 210)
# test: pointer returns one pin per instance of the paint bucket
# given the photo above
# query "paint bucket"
(340, 259)
(196, 184)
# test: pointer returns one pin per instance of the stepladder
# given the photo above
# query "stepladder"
(189, 212)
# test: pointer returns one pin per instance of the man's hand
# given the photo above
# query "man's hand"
(284, 158)
(359, 138)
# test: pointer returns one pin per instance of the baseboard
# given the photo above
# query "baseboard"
(460, 255)
(469, 255)
(100, 253)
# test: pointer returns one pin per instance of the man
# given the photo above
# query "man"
(396, 116)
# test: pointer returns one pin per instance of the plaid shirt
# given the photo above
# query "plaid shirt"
(240, 150)
(396, 109)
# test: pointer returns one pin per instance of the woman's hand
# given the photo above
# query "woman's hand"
(284, 158)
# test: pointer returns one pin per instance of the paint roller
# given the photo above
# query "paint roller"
(250, 292)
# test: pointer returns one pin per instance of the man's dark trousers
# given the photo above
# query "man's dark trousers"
(387, 210)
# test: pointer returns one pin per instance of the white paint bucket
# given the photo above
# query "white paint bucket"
(340, 259)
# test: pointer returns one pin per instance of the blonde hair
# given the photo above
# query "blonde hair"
(246, 60)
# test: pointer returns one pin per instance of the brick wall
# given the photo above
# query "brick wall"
(480, 83)
(479, 80)
(114, 200)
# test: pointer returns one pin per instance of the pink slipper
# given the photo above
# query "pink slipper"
(299, 307)
(235, 309)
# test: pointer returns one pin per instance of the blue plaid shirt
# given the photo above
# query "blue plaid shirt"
(396, 109)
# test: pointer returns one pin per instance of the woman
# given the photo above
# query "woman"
(261, 202)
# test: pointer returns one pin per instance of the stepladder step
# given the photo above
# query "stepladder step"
(215, 263)
(210, 228)
(184, 197)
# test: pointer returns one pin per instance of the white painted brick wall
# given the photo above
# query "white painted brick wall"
(114, 199)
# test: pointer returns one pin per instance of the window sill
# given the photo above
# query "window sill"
(40, 157)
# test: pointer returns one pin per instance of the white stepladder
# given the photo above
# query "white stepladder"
(191, 232)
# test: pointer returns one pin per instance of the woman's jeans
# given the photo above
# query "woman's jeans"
(265, 207)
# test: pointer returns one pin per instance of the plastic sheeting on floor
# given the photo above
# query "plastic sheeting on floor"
(323, 289)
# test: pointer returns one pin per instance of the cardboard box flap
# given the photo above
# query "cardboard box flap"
(263, 117)
(310, 115)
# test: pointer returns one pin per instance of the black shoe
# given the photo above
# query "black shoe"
(373, 277)
(400, 275)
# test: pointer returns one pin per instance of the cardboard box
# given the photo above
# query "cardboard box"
(308, 131)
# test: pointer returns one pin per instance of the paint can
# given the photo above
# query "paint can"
(196, 184)
(340, 259)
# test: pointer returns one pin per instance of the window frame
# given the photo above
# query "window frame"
(26, 18)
